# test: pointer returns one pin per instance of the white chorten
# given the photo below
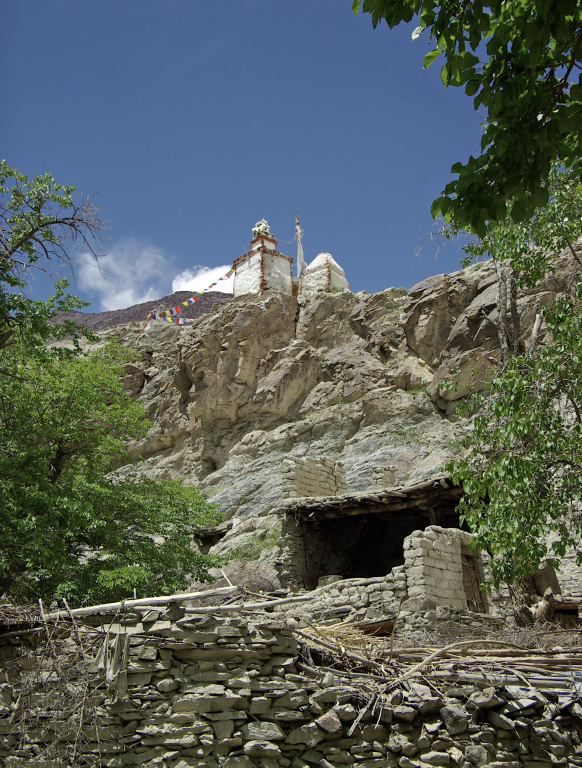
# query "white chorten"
(324, 274)
(262, 267)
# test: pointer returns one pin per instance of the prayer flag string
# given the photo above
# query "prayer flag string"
(167, 315)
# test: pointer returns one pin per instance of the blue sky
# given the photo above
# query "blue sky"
(194, 120)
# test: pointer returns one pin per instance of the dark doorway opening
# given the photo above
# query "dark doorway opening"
(367, 544)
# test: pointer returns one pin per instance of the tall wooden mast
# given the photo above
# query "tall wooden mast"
(300, 258)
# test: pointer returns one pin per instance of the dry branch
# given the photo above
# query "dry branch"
(337, 649)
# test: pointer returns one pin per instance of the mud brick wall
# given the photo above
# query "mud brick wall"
(208, 692)
(384, 477)
(314, 477)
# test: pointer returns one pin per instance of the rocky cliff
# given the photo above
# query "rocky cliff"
(346, 377)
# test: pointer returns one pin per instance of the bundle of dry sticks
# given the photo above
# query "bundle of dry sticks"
(350, 652)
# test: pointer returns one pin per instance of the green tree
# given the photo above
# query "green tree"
(522, 473)
(521, 60)
(526, 252)
(73, 527)
(42, 224)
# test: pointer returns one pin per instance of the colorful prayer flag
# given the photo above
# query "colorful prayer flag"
(166, 315)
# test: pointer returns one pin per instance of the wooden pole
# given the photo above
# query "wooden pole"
(162, 600)
(246, 606)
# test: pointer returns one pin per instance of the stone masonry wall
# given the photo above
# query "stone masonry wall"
(206, 691)
(433, 565)
(353, 599)
(432, 572)
(314, 477)
(570, 577)
(384, 477)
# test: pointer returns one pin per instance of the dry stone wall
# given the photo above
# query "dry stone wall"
(384, 477)
(433, 565)
(432, 573)
(354, 599)
(207, 692)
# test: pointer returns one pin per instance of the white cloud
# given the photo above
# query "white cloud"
(199, 277)
(132, 272)
(135, 271)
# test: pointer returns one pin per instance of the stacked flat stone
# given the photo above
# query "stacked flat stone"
(206, 692)
(352, 599)
(314, 477)
(384, 477)
(433, 565)
(447, 623)
(432, 571)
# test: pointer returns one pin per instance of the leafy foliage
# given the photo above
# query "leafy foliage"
(72, 527)
(531, 246)
(522, 474)
(521, 468)
(40, 222)
(518, 59)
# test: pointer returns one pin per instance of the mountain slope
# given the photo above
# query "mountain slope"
(346, 377)
(98, 321)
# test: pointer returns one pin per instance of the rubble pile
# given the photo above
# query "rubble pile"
(178, 689)
(354, 599)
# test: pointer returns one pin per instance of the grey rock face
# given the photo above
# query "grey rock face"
(347, 377)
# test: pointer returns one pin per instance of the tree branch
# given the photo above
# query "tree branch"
(533, 342)
(502, 310)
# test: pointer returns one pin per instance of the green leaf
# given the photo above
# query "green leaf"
(436, 206)
(472, 86)
(445, 75)
(59, 497)
(431, 56)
